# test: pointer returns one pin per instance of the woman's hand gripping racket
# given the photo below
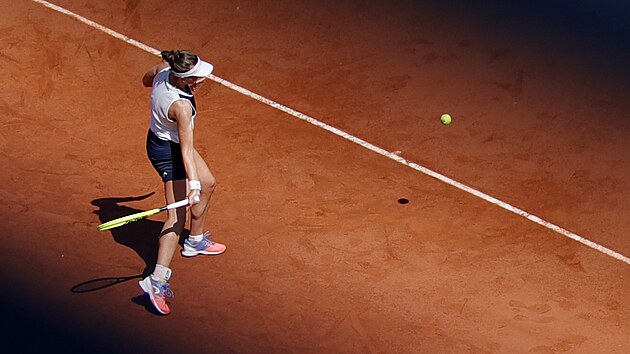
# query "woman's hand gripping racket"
(141, 215)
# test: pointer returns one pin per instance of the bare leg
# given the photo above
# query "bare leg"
(156, 285)
(173, 227)
(208, 184)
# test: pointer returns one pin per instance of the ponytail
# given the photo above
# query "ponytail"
(180, 61)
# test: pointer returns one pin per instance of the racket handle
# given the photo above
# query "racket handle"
(176, 205)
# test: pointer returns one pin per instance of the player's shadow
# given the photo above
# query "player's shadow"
(141, 236)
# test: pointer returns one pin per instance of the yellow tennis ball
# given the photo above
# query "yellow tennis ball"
(445, 119)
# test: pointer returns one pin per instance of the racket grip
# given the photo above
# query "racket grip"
(176, 205)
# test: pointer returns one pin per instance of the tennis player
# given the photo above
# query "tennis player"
(185, 174)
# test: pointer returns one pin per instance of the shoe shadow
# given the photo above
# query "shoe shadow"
(144, 301)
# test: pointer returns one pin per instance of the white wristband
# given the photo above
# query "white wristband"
(194, 185)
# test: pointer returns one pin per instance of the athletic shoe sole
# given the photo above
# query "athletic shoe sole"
(187, 253)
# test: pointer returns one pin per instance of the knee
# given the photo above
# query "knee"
(208, 185)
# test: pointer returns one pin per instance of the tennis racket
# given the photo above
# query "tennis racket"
(138, 216)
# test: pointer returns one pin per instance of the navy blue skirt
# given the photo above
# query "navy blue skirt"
(166, 158)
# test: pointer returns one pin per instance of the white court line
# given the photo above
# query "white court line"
(359, 141)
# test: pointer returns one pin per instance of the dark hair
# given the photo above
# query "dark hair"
(180, 60)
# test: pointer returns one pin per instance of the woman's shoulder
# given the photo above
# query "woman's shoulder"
(162, 74)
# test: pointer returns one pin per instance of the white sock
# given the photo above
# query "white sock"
(161, 273)
(195, 239)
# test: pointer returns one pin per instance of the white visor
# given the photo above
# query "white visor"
(201, 69)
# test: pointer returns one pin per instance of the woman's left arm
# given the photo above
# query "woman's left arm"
(182, 112)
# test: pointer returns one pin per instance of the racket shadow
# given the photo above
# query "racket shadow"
(101, 283)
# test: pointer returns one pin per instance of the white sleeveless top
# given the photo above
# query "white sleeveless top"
(163, 95)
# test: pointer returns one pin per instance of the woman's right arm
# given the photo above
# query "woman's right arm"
(147, 79)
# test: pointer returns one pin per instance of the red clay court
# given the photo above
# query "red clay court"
(322, 258)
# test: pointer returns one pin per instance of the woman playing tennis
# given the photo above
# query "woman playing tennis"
(185, 174)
